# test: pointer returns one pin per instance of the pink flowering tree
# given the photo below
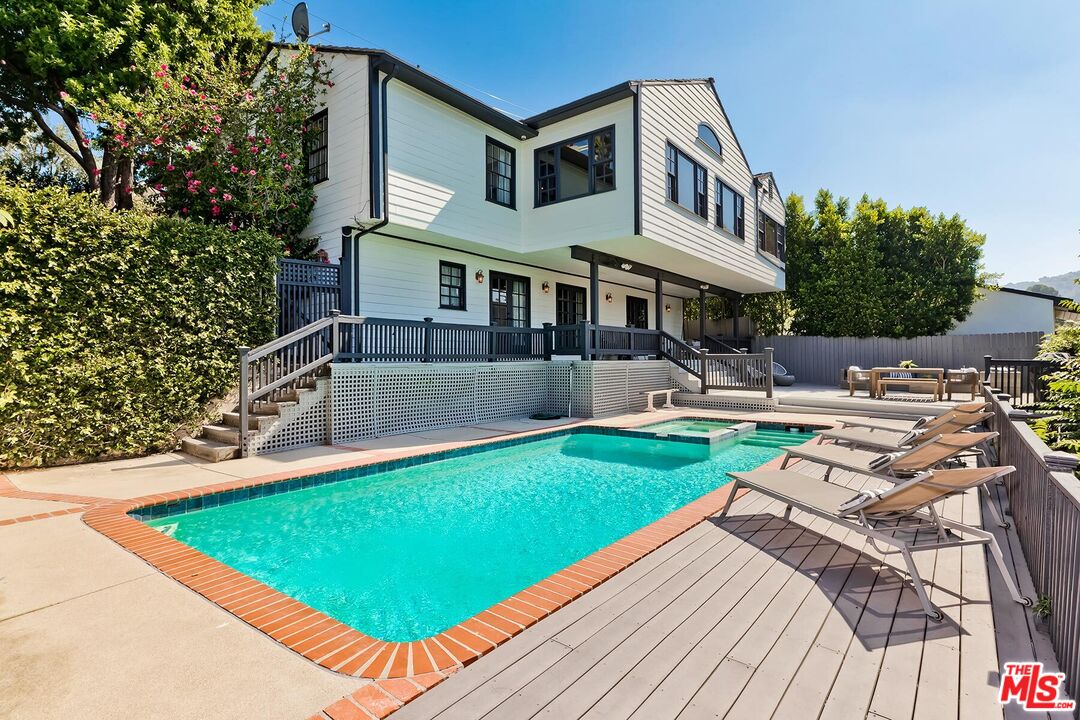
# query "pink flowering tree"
(224, 146)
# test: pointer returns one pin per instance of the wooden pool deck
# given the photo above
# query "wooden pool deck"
(761, 618)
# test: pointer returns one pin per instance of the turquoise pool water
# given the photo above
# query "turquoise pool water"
(687, 426)
(405, 554)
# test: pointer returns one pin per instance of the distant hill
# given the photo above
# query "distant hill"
(1063, 283)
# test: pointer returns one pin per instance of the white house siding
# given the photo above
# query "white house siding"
(588, 219)
(670, 112)
(1003, 312)
(437, 171)
(400, 279)
(344, 196)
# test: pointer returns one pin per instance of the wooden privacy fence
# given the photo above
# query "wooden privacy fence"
(306, 292)
(1044, 501)
(822, 360)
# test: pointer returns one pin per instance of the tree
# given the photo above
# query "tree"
(1042, 288)
(878, 272)
(225, 146)
(1061, 428)
(36, 161)
(106, 51)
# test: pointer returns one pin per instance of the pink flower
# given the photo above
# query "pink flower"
(233, 168)
(212, 191)
(131, 67)
(288, 167)
(232, 226)
(254, 149)
(64, 95)
(282, 156)
(217, 118)
(164, 67)
(226, 197)
(189, 174)
(158, 186)
(251, 173)
(277, 108)
(184, 210)
(170, 167)
(215, 211)
(158, 140)
(160, 74)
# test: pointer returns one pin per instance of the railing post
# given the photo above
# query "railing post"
(549, 340)
(703, 370)
(427, 339)
(242, 430)
(768, 372)
(986, 368)
(335, 342)
(583, 331)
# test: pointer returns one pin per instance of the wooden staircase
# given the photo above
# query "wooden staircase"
(221, 440)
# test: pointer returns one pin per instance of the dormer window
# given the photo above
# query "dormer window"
(709, 139)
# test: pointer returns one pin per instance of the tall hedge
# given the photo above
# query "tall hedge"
(117, 328)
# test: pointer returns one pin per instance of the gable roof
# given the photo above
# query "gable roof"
(1057, 299)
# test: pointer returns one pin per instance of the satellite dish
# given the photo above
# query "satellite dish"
(301, 25)
(300, 22)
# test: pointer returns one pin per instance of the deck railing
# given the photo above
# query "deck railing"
(306, 291)
(739, 371)
(1023, 380)
(1044, 501)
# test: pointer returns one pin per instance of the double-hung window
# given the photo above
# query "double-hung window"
(730, 210)
(687, 182)
(500, 173)
(451, 285)
(772, 237)
(581, 166)
(316, 147)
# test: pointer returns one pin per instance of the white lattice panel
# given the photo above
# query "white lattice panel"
(720, 402)
(352, 418)
(297, 426)
(509, 390)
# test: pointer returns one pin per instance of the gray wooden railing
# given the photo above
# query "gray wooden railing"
(1024, 380)
(740, 371)
(1044, 501)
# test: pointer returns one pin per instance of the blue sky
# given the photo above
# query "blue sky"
(961, 106)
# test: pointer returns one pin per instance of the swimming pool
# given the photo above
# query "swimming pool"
(404, 552)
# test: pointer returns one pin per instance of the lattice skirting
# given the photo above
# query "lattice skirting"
(721, 402)
(366, 400)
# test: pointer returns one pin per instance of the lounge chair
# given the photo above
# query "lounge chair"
(889, 518)
(894, 441)
(923, 422)
(898, 466)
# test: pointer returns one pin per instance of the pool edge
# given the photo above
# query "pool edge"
(342, 649)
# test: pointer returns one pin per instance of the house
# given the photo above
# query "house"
(1008, 310)
(613, 208)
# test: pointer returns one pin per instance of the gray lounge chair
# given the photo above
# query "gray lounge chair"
(893, 441)
(921, 423)
(890, 519)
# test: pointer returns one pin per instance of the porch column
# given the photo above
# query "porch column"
(594, 296)
(659, 304)
(735, 302)
(701, 317)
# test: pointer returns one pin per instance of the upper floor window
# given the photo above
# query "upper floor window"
(582, 166)
(706, 135)
(686, 182)
(315, 147)
(772, 237)
(500, 173)
(730, 212)
(451, 285)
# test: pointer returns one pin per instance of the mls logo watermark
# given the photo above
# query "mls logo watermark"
(1028, 685)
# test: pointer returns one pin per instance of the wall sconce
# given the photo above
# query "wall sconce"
(545, 286)
(480, 276)
(627, 266)
(609, 297)
(667, 308)
(704, 286)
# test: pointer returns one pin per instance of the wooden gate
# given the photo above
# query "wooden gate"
(306, 291)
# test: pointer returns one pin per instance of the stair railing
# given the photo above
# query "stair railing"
(271, 371)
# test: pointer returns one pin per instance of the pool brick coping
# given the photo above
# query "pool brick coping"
(10, 490)
(397, 668)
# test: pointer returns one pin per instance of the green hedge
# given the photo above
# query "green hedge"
(118, 328)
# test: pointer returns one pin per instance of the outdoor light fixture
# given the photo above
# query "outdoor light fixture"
(627, 266)
(480, 276)
(609, 297)
(546, 286)
(704, 286)
(667, 308)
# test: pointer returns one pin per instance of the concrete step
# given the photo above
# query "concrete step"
(222, 434)
(295, 394)
(270, 408)
(209, 449)
(257, 422)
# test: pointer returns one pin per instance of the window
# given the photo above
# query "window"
(729, 210)
(772, 237)
(315, 148)
(686, 182)
(451, 285)
(582, 166)
(569, 304)
(500, 173)
(706, 135)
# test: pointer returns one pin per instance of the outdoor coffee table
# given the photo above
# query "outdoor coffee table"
(925, 377)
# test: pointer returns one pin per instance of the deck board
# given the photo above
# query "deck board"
(756, 617)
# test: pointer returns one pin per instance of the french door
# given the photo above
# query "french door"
(509, 300)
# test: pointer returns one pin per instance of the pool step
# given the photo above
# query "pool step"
(209, 449)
